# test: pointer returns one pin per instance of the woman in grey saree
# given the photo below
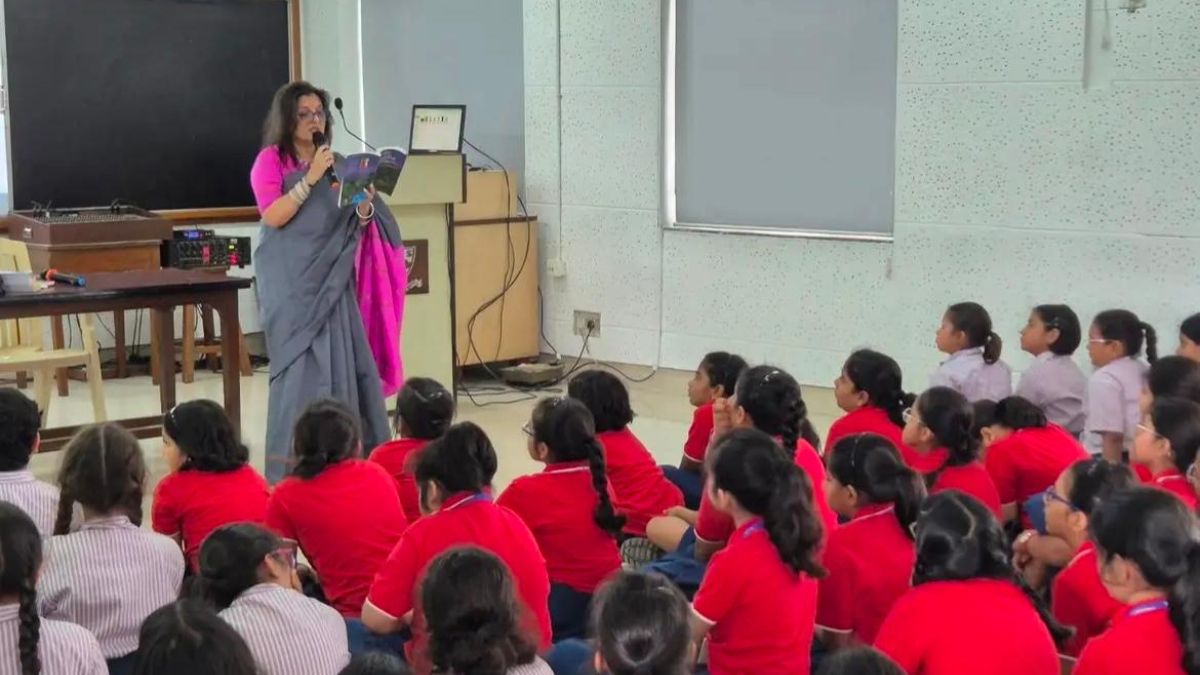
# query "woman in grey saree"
(305, 277)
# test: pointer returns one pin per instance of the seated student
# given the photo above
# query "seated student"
(1025, 454)
(1170, 376)
(474, 621)
(1053, 382)
(974, 368)
(210, 483)
(452, 476)
(715, 378)
(1115, 340)
(424, 410)
(869, 390)
(19, 438)
(1189, 338)
(1166, 446)
(768, 399)
(870, 558)
(1077, 595)
(640, 490)
(758, 601)
(967, 611)
(249, 575)
(1150, 561)
(29, 644)
(642, 626)
(568, 509)
(110, 574)
(344, 512)
(188, 638)
(859, 661)
(375, 663)
(940, 423)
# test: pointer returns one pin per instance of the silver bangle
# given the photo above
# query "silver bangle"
(370, 214)
(299, 192)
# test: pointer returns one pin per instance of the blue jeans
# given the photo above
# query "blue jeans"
(569, 610)
(571, 657)
(690, 483)
(362, 640)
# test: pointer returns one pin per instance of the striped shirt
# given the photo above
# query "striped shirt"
(288, 633)
(537, 667)
(108, 577)
(37, 499)
(65, 649)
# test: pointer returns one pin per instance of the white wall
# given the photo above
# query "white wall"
(1015, 185)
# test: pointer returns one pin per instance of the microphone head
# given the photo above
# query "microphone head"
(337, 103)
(318, 139)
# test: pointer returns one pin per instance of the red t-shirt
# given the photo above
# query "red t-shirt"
(559, 506)
(1030, 460)
(699, 434)
(971, 479)
(399, 458)
(981, 627)
(870, 420)
(870, 562)
(715, 527)
(192, 503)
(761, 612)
(924, 462)
(463, 520)
(1173, 481)
(1141, 639)
(346, 520)
(641, 490)
(1078, 599)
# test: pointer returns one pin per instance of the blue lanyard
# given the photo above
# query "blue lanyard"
(754, 527)
(1147, 608)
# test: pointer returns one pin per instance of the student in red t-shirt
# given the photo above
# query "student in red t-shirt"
(870, 558)
(715, 378)
(941, 422)
(1150, 561)
(210, 483)
(344, 512)
(1077, 597)
(870, 391)
(1025, 454)
(1166, 446)
(568, 509)
(424, 410)
(758, 602)
(768, 399)
(967, 611)
(640, 490)
(453, 475)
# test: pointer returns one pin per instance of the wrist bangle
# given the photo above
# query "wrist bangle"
(370, 214)
(299, 192)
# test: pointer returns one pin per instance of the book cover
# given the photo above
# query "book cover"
(360, 170)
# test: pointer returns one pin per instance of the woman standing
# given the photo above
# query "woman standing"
(305, 267)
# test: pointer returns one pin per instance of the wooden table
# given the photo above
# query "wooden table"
(160, 291)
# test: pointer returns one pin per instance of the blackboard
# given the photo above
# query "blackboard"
(156, 103)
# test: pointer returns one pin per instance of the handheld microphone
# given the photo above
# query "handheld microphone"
(318, 140)
(62, 278)
(337, 103)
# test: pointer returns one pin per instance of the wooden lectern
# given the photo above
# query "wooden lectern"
(422, 203)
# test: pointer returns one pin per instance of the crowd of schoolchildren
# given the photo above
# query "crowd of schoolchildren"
(965, 530)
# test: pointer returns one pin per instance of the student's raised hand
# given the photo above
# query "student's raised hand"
(722, 417)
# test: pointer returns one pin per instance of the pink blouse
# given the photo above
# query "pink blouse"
(266, 176)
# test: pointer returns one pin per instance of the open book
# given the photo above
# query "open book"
(361, 169)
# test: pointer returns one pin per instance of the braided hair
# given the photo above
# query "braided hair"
(958, 539)
(103, 470)
(566, 427)
(20, 559)
(325, 434)
(772, 399)
(950, 418)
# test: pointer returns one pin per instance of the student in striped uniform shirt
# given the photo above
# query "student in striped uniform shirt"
(29, 645)
(188, 638)
(110, 574)
(249, 574)
(19, 424)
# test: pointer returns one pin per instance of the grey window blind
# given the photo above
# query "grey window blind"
(785, 114)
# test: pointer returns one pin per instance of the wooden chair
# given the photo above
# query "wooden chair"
(22, 344)
(209, 347)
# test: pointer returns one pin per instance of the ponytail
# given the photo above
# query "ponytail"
(872, 466)
(975, 322)
(772, 399)
(1153, 530)
(761, 476)
(878, 375)
(950, 417)
(20, 558)
(325, 433)
(1151, 342)
(425, 408)
(1122, 325)
(991, 348)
